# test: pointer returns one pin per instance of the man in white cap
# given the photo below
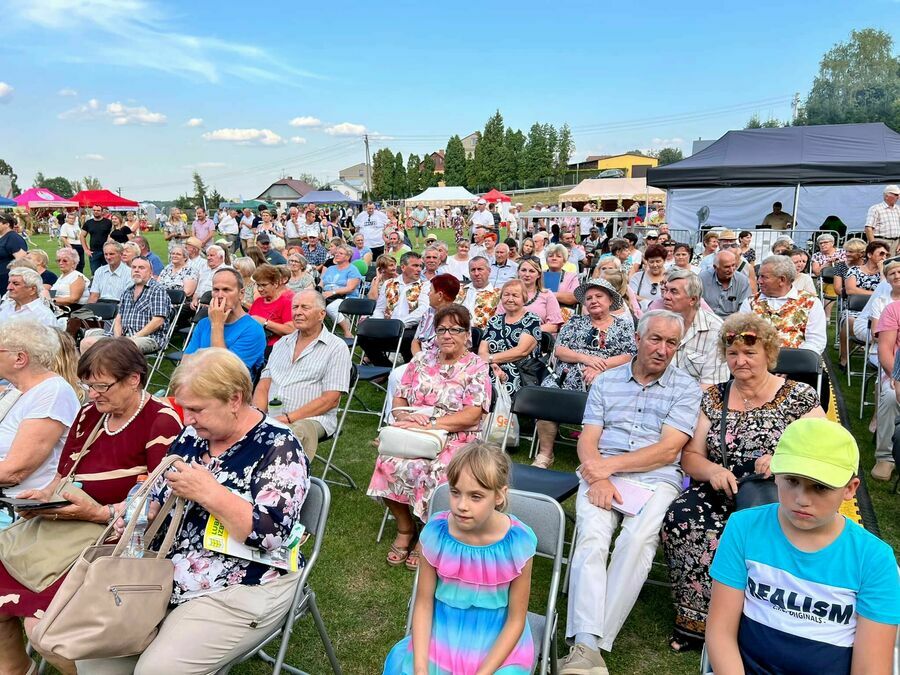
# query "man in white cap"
(482, 217)
(883, 219)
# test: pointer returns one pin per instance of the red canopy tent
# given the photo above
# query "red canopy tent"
(496, 196)
(105, 198)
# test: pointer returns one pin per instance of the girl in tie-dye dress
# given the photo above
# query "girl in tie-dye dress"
(474, 579)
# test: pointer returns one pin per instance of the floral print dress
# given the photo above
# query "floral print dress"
(449, 389)
(580, 335)
(267, 468)
(695, 521)
(501, 335)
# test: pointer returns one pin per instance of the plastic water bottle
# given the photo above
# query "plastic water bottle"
(276, 408)
(135, 547)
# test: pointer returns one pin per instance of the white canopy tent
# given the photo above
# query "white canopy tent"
(443, 196)
(612, 189)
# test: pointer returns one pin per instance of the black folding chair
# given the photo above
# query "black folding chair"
(804, 365)
(381, 334)
(354, 308)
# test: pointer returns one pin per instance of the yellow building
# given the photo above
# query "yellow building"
(634, 166)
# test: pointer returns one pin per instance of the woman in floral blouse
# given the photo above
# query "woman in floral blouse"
(450, 389)
(251, 474)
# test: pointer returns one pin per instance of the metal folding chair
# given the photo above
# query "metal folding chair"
(176, 356)
(804, 365)
(177, 298)
(385, 334)
(329, 461)
(545, 517)
(314, 516)
(354, 308)
(853, 303)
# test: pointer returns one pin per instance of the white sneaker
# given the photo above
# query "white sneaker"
(582, 660)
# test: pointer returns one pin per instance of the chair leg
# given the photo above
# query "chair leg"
(551, 657)
(568, 561)
(323, 633)
(384, 519)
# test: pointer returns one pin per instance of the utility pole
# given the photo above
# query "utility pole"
(119, 190)
(795, 107)
(368, 167)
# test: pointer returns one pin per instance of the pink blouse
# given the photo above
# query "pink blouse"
(545, 305)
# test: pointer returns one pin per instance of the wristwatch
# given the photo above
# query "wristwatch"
(433, 421)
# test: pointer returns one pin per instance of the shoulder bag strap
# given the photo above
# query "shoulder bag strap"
(95, 433)
(722, 424)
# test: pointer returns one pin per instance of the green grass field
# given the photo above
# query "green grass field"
(363, 600)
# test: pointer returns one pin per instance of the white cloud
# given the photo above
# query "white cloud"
(154, 41)
(119, 113)
(66, 91)
(346, 129)
(666, 142)
(306, 121)
(194, 122)
(298, 139)
(205, 165)
(92, 156)
(245, 136)
(5, 92)
(123, 115)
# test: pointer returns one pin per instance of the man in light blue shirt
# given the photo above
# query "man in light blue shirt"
(637, 419)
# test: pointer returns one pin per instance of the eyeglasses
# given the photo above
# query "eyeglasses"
(457, 330)
(747, 337)
(99, 387)
(669, 244)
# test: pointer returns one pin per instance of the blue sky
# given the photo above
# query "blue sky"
(140, 94)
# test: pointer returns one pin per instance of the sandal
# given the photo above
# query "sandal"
(682, 643)
(412, 560)
(398, 555)
(542, 461)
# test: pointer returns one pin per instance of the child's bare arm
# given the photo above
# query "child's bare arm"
(873, 647)
(519, 592)
(722, 629)
(423, 612)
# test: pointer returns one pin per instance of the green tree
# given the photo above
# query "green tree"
(401, 185)
(771, 123)
(184, 202)
(533, 155)
(471, 179)
(59, 185)
(565, 148)
(86, 183)
(455, 162)
(489, 152)
(552, 151)
(429, 178)
(858, 81)
(200, 192)
(383, 174)
(513, 149)
(7, 170)
(669, 156)
(215, 198)
(414, 175)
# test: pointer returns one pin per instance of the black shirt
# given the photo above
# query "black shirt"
(120, 235)
(48, 277)
(10, 243)
(98, 230)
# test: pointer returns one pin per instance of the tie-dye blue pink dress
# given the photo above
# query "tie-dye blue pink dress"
(471, 600)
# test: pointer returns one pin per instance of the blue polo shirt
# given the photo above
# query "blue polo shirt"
(246, 338)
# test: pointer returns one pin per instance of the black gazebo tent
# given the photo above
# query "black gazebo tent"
(828, 154)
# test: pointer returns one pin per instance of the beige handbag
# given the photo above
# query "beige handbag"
(38, 551)
(412, 443)
(110, 605)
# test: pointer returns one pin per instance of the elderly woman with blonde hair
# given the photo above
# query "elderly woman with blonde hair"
(755, 407)
(249, 473)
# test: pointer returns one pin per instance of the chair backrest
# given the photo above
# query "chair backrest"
(206, 298)
(106, 311)
(827, 274)
(370, 273)
(201, 313)
(176, 296)
(548, 340)
(856, 302)
(797, 363)
(380, 329)
(477, 336)
(315, 509)
(562, 406)
(357, 307)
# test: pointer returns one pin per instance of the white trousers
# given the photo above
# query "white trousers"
(331, 309)
(886, 417)
(600, 599)
(392, 384)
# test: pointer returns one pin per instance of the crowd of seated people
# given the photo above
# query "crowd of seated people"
(681, 355)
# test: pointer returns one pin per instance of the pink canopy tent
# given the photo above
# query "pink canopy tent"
(42, 198)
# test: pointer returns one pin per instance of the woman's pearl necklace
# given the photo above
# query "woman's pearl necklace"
(130, 419)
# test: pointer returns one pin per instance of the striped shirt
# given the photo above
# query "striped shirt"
(698, 354)
(324, 365)
(152, 302)
(884, 220)
(632, 415)
(110, 284)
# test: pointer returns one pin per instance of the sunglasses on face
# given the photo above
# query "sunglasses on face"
(747, 337)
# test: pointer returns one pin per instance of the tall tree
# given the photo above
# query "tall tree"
(7, 170)
(414, 175)
(565, 148)
(215, 198)
(383, 174)
(184, 202)
(200, 192)
(513, 148)
(552, 150)
(669, 156)
(858, 81)
(489, 152)
(398, 177)
(429, 178)
(471, 178)
(455, 162)
(58, 184)
(534, 155)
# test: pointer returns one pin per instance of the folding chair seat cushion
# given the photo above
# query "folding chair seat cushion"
(559, 485)
(367, 373)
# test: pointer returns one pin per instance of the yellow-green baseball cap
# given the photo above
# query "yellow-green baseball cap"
(818, 449)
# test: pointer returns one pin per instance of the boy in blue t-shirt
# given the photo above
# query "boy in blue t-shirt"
(798, 588)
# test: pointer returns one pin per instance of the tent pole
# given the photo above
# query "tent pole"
(796, 206)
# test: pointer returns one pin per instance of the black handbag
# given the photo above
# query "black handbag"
(532, 371)
(753, 489)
